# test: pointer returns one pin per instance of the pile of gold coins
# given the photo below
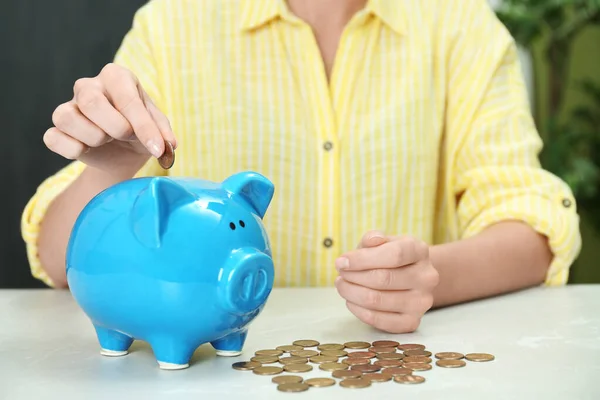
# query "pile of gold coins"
(352, 364)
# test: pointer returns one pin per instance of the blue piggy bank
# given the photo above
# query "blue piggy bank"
(175, 262)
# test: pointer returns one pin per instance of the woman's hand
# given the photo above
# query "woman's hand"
(388, 281)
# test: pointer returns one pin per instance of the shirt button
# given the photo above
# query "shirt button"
(566, 203)
(328, 146)
(327, 242)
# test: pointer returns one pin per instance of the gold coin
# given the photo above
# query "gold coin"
(357, 345)
(304, 353)
(289, 347)
(396, 371)
(409, 379)
(269, 352)
(267, 370)
(320, 382)
(377, 377)
(450, 363)
(333, 366)
(246, 365)
(361, 354)
(385, 343)
(305, 343)
(380, 349)
(390, 356)
(417, 366)
(388, 363)
(417, 359)
(366, 368)
(323, 359)
(167, 159)
(293, 387)
(346, 373)
(265, 359)
(287, 379)
(330, 346)
(356, 361)
(412, 353)
(479, 357)
(297, 367)
(293, 360)
(355, 383)
(334, 353)
(411, 346)
(449, 355)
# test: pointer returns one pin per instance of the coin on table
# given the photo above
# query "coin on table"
(167, 159)
(304, 353)
(268, 352)
(293, 360)
(449, 355)
(417, 366)
(366, 368)
(380, 349)
(320, 382)
(361, 354)
(267, 370)
(292, 387)
(334, 353)
(265, 359)
(330, 346)
(287, 379)
(479, 357)
(333, 366)
(377, 377)
(411, 346)
(246, 365)
(397, 371)
(305, 343)
(289, 347)
(346, 373)
(297, 367)
(385, 343)
(450, 363)
(355, 383)
(390, 356)
(356, 361)
(417, 359)
(357, 345)
(409, 379)
(388, 363)
(323, 359)
(412, 353)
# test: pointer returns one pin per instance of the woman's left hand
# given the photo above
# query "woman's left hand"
(388, 281)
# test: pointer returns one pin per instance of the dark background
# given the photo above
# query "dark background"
(45, 46)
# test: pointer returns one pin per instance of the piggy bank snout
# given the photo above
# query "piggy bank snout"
(247, 280)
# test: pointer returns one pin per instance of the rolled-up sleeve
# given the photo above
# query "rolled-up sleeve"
(493, 164)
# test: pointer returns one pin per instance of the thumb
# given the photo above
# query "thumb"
(372, 239)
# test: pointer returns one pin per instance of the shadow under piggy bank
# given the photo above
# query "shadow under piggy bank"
(175, 262)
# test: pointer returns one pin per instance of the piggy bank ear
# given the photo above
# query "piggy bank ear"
(152, 208)
(252, 187)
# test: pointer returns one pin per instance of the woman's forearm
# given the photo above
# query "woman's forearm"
(506, 257)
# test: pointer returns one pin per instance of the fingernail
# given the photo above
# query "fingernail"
(342, 263)
(154, 149)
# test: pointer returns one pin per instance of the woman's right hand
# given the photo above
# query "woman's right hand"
(110, 124)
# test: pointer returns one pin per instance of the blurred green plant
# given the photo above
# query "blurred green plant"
(571, 137)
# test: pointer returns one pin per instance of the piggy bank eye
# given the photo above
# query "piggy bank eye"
(242, 224)
(232, 226)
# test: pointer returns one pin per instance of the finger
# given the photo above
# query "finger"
(406, 301)
(385, 321)
(396, 253)
(91, 101)
(123, 89)
(372, 238)
(161, 120)
(413, 276)
(63, 144)
(69, 120)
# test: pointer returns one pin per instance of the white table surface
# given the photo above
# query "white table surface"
(546, 342)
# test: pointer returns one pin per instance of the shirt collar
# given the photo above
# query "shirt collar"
(256, 13)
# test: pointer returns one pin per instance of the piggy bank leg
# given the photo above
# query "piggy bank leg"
(112, 343)
(172, 353)
(230, 345)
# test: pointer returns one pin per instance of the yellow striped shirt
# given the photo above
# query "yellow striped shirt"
(424, 127)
